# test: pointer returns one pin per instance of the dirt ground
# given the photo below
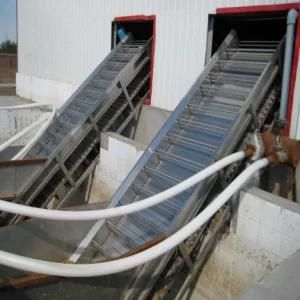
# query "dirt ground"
(7, 75)
(7, 81)
(8, 69)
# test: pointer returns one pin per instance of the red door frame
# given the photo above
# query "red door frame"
(256, 9)
(138, 18)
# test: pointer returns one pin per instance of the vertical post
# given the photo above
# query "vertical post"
(291, 21)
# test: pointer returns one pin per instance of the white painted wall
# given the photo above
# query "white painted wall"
(44, 90)
(62, 41)
(266, 233)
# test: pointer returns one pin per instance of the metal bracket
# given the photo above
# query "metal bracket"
(185, 255)
(94, 123)
(128, 98)
(133, 114)
(65, 171)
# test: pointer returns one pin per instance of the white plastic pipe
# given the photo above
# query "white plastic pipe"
(288, 56)
(23, 132)
(60, 215)
(123, 264)
(28, 146)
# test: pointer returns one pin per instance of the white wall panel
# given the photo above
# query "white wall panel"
(64, 40)
(44, 90)
(295, 122)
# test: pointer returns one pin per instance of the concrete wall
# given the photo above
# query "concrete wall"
(266, 233)
(44, 90)
(150, 121)
(118, 155)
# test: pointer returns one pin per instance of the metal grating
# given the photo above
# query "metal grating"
(109, 99)
(207, 124)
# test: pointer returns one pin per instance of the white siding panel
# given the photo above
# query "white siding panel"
(64, 40)
(295, 122)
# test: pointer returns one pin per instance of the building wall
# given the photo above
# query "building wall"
(61, 42)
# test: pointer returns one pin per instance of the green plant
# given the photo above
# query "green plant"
(8, 46)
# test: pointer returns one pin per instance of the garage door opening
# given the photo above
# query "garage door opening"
(258, 30)
(142, 28)
(262, 27)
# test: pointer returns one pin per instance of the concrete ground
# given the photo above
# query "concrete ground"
(282, 283)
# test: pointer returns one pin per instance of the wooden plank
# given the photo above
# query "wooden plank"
(30, 280)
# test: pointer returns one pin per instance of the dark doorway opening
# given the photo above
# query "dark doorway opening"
(263, 27)
(259, 27)
(142, 28)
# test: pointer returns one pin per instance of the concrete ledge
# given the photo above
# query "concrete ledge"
(105, 140)
(43, 90)
(277, 200)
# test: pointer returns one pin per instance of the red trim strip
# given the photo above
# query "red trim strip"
(257, 8)
(293, 75)
(139, 18)
(136, 18)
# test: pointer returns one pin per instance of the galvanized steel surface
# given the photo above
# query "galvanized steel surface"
(214, 114)
(108, 100)
(208, 123)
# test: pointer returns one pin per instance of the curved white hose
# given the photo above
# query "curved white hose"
(123, 264)
(59, 215)
(28, 146)
(25, 149)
